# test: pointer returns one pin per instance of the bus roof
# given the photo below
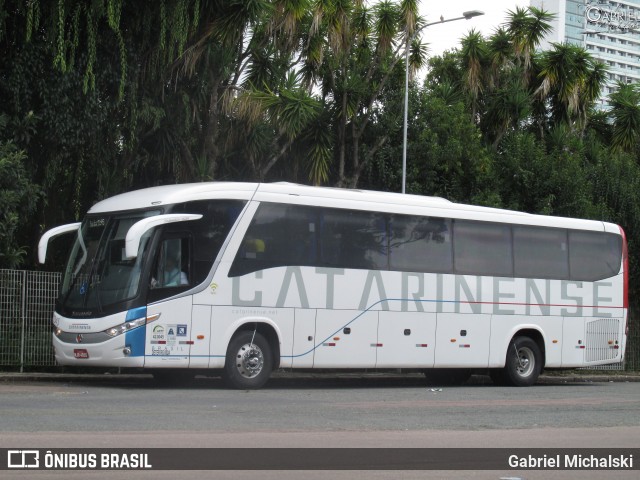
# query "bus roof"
(333, 197)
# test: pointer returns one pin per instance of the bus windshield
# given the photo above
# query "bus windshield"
(98, 274)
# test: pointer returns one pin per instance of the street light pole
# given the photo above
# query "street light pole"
(465, 16)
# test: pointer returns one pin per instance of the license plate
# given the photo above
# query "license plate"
(80, 353)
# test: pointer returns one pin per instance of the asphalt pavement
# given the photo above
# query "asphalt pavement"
(333, 377)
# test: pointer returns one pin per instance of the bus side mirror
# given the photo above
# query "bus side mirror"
(49, 234)
(138, 229)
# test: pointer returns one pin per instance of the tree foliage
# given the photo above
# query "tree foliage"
(105, 96)
(18, 199)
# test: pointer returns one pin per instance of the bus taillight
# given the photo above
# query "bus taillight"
(625, 266)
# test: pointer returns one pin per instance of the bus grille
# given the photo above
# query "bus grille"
(602, 342)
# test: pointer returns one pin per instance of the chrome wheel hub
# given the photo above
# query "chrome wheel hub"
(249, 360)
(525, 362)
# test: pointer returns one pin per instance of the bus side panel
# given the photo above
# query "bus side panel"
(408, 340)
(200, 336)
(573, 342)
(462, 340)
(346, 339)
(304, 335)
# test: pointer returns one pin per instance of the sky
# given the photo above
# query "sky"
(447, 36)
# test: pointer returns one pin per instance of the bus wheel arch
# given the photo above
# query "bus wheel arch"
(252, 354)
(524, 360)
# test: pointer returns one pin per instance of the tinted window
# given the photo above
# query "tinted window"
(353, 239)
(482, 248)
(594, 255)
(420, 244)
(540, 252)
(279, 235)
(284, 235)
(208, 233)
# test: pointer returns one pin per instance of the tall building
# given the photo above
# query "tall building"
(608, 29)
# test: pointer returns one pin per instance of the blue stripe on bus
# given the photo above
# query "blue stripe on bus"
(136, 313)
(135, 338)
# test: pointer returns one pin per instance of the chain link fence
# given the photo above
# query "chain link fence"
(27, 300)
(632, 357)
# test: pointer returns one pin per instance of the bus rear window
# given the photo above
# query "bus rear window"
(594, 255)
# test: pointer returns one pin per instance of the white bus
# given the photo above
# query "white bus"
(246, 278)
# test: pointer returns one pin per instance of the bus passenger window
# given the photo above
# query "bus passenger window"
(421, 244)
(482, 248)
(279, 235)
(540, 252)
(353, 239)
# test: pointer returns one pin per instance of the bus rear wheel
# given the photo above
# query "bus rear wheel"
(524, 362)
(249, 361)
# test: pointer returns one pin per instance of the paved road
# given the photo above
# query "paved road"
(371, 411)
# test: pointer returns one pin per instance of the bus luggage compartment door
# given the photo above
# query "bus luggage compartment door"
(462, 340)
(407, 339)
(346, 339)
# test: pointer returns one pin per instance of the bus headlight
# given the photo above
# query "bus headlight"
(130, 325)
(125, 327)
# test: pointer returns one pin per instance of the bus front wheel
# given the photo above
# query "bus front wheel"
(249, 361)
(524, 362)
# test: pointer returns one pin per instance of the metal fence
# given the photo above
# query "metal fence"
(632, 357)
(26, 305)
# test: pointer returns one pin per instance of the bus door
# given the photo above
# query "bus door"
(169, 336)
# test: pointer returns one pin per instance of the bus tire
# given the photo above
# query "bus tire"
(523, 363)
(249, 361)
(447, 376)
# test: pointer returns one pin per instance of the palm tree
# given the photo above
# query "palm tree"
(474, 57)
(527, 27)
(570, 78)
(357, 50)
(625, 112)
(500, 53)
